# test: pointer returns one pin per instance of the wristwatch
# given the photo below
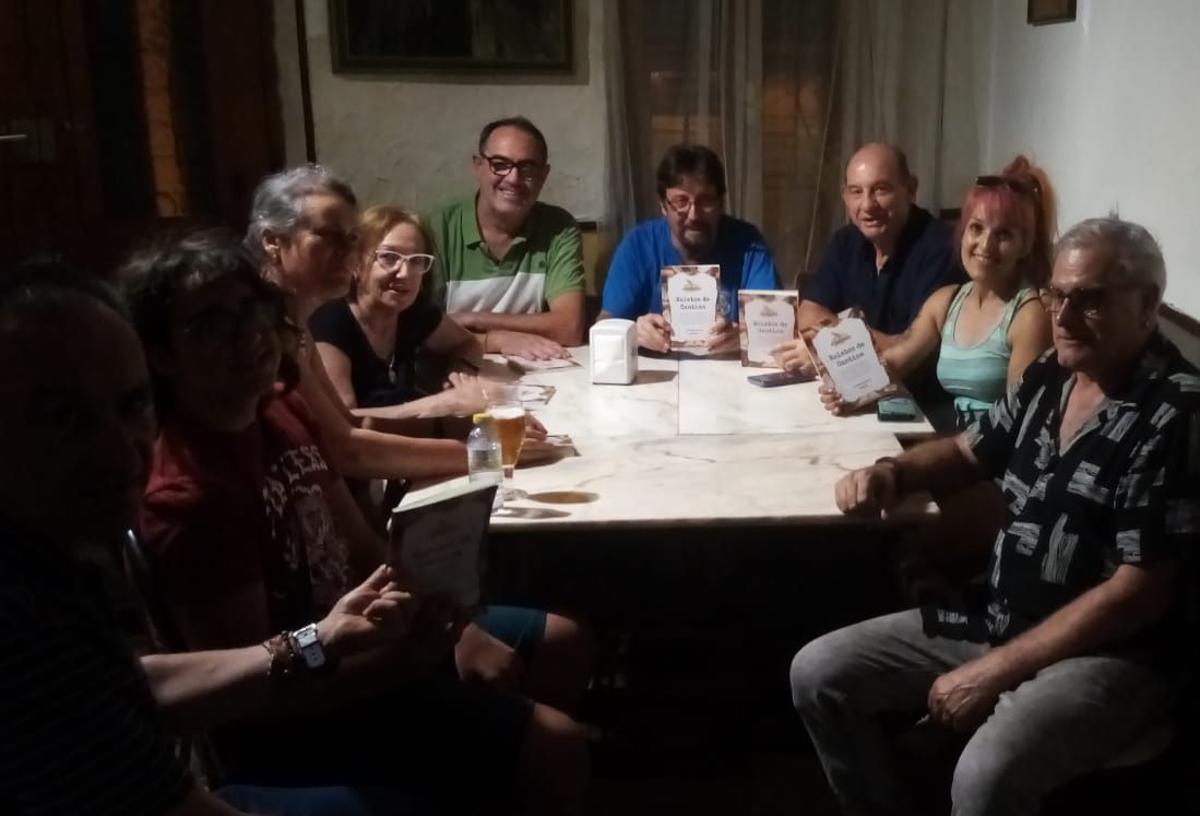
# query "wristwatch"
(307, 643)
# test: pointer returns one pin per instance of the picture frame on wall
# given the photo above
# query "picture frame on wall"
(1044, 12)
(451, 36)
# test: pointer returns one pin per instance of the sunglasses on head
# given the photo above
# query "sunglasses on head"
(1011, 182)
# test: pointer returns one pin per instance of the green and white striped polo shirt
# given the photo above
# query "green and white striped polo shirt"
(544, 261)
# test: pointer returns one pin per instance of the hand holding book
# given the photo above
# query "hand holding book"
(844, 354)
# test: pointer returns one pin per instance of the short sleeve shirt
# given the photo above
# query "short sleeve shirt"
(81, 728)
(1126, 490)
(544, 261)
(633, 286)
(377, 382)
(226, 511)
(891, 297)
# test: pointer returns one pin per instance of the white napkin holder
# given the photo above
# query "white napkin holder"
(613, 347)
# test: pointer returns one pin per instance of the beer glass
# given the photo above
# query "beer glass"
(508, 418)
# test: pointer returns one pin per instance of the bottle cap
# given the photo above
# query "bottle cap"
(481, 418)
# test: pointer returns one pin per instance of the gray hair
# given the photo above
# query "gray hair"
(1137, 257)
(279, 202)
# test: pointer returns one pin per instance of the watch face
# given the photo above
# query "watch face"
(308, 643)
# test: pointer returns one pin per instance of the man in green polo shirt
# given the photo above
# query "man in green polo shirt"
(509, 267)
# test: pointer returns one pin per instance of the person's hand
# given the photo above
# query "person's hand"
(524, 344)
(373, 614)
(964, 697)
(534, 429)
(791, 355)
(654, 333)
(483, 659)
(722, 337)
(832, 401)
(464, 394)
(869, 491)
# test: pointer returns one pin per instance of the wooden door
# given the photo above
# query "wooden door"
(120, 117)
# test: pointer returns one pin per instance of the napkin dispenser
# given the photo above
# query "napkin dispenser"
(613, 346)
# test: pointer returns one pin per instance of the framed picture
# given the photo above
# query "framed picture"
(1041, 12)
(451, 36)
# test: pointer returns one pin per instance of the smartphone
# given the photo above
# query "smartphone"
(896, 409)
(777, 378)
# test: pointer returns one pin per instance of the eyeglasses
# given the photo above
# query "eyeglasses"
(1013, 183)
(527, 170)
(389, 261)
(1088, 301)
(682, 203)
(219, 327)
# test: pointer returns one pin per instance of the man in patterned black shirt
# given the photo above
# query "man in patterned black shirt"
(81, 731)
(1077, 643)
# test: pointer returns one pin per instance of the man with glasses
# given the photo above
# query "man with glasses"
(510, 268)
(887, 261)
(693, 230)
(1084, 631)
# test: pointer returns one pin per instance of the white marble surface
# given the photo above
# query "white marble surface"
(647, 407)
(715, 398)
(691, 442)
(694, 480)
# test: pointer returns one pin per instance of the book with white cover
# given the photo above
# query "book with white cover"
(844, 355)
(690, 295)
(437, 543)
(766, 318)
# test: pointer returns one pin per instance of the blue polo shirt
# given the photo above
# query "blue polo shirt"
(890, 298)
(632, 288)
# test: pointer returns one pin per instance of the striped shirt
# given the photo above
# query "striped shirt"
(544, 261)
(1125, 490)
(81, 730)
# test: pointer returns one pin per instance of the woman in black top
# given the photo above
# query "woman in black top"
(369, 340)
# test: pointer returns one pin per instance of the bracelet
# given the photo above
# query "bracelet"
(282, 668)
(897, 471)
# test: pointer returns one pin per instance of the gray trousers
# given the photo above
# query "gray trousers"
(1071, 718)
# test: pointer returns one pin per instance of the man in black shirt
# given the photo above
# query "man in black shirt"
(1077, 642)
(887, 261)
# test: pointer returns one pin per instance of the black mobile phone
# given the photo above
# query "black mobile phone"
(896, 409)
(777, 378)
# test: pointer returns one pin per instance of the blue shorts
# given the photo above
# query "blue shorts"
(520, 628)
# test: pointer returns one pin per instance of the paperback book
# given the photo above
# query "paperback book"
(766, 318)
(690, 296)
(437, 542)
(843, 353)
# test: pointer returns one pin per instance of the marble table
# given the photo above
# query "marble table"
(691, 443)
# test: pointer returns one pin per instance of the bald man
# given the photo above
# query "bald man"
(886, 261)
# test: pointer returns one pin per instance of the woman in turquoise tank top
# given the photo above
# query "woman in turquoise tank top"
(986, 331)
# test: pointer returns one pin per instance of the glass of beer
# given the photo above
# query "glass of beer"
(508, 418)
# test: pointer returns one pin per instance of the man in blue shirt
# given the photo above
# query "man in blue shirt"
(693, 230)
(886, 261)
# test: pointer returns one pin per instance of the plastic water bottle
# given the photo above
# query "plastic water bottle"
(483, 455)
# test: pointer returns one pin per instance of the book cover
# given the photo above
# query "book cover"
(437, 543)
(766, 318)
(690, 295)
(844, 354)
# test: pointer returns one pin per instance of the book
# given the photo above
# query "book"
(437, 541)
(843, 353)
(690, 295)
(766, 318)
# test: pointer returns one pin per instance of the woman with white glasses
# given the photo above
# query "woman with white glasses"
(369, 340)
